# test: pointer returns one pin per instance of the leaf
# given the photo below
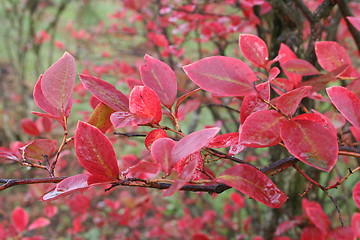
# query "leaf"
(161, 152)
(58, 82)
(254, 49)
(287, 225)
(105, 92)
(222, 75)
(336, 118)
(355, 21)
(38, 148)
(332, 55)
(312, 233)
(346, 102)
(356, 195)
(342, 233)
(287, 54)
(20, 219)
(262, 129)
(305, 139)
(224, 140)
(300, 66)
(355, 223)
(95, 152)
(124, 119)
(253, 183)
(182, 98)
(145, 103)
(158, 76)
(39, 223)
(193, 143)
(315, 213)
(100, 118)
(289, 102)
(29, 127)
(152, 136)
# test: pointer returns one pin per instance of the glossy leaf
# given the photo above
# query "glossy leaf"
(346, 102)
(95, 152)
(289, 102)
(222, 75)
(145, 103)
(300, 66)
(355, 21)
(315, 213)
(152, 136)
(254, 183)
(161, 152)
(193, 143)
(100, 118)
(29, 127)
(105, 92)
(37, 148)
(262, 129)
(356, 195)
(254, 49)
(305, 139)
(224, 140)
(20, 219)
(58, 82)
(39, 223)
(158, 76)
(124, 119)
(332, 55)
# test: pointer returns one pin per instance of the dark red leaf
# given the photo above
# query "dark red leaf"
(106, 92)
(222, 75)
(100, 118)
(224, 140)
(289, 102)
(305, 139)
(20, 219)
(346, 102)
(37, 148)
(312, 233)
(262, 129)
(300, 66)
(356, 195)
(152, 136)
(161, 78)
(29, 127)
(254, 183)
(161, 152)
(315, 213)
(95, 152)
(254, 49)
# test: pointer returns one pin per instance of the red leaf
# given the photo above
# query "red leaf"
(182, 98)
(95, 152)
(287, 225)
(193, 143)
(124, 119)
(342, 233)
(185, 175)
(152, 136)
(305, 139)
(254, 49)
(287, 54)
(39, 223)
(300, 66)
(100, 118)
(37, 148)
(356, 195)
(158, 76)
(336, 119)
(355, 21)
(161, 152)
(222, 75)
(106, 92)
(254, 183)
(145, 103)
(58, 82)
(238, 199)
(289, 102)
(346, 102)
(355, 224)
(262, 129)
(312, 233)
(224, 140)
(20, 219)
(332, 55)
(29, 127)
(314, 212)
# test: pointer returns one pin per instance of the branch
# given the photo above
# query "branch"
(13, 182)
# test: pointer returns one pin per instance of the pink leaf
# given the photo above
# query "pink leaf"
(262, 129)
(145, 103)
(20, 219)
(287, 54)
(287, 225)
(95, 152)
(355, 21)
(315, 213)
(58, 82)
(193, 143)
(29, 127)
(161, 152)
(305, 139)
(152, 136)
(39, 223)
(346, 102)
(106, 92)
(355, 224)
(300, 66)
(356, 195)
(224, 140)
(289, 102)
(336, 118)
(222, 75)
(124, 119)
(332, 55)
(38, 148)
(161, 78)
(254, 49)
(254, 183)
(342, 233)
